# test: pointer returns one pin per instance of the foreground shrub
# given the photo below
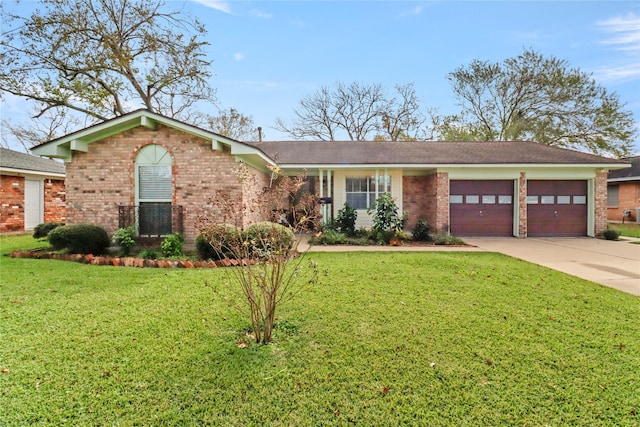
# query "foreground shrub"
(346, 220)
(386, 219)
(611, 234)
(172, 245)
(268, 240)
(80, 239)
(218, 241)
(126, 239)
(421, 232)
(42, 230)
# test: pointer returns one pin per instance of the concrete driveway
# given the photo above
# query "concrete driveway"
(611, 263)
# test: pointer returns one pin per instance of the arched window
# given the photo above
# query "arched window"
(154, 191)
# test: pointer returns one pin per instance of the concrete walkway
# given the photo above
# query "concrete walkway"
(615, 264)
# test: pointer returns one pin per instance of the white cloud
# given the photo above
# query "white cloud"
(220, 5)
(618, 74)
(238, 56)
(260, 14)
(625, 31)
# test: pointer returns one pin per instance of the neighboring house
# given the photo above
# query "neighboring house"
(164, 173)
(31, 191)
(623, 201)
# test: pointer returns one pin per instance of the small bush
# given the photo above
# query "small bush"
(611, 234)
(330, 238)
(447, 239)
(346, 220)
(42, 230)
(126, 239)
(149, 254)
(421, 231)
(218, 241)
(172, 245)
(268, 239)
(80, 239)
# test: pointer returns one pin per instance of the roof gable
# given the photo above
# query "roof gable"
(80, 140)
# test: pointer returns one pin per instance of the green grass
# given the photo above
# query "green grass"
(385, 339)
(629, 230)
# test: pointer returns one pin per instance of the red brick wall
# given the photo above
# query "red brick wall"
(419, 199)
(103, 178)
(427, 197)
(55, 206)
(628, 199)
(600, 192)
(11, 203)
(522, 213)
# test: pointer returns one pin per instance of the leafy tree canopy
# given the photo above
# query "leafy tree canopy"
(99, 59)
(543, 99)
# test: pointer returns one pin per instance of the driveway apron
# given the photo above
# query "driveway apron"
(615, 264)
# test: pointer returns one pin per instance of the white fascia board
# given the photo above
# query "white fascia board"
(627, 179)
(23, 172)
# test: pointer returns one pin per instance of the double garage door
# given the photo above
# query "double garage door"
(486, 208)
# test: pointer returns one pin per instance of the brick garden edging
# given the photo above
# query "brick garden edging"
(129, 261)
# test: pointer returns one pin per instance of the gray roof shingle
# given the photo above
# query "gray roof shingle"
(632, 173)
(26, 162)
(423, 153)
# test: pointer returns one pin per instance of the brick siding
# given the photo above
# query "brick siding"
(102, 179)
(12, 203)
(427, 197)
(600, 193)
(628, 199)
(522, 200)
(55, 206)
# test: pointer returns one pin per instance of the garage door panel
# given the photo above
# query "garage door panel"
(557, 208)
(481, 208)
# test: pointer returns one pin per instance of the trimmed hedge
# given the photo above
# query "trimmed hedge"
(42, 230)
(219, 241)
(80, 239)
(267, 239)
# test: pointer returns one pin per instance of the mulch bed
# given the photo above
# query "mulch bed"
(128, 261)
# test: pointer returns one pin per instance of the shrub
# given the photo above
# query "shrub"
(172, 245)
(42, 230)
(611, 234)
(386, 220)
(80, 239)
(346, 220)
(218, 241)
(421, 231)
(447, 239)
(149, 254)
(330, 238)
(268, 240)
(126, 239)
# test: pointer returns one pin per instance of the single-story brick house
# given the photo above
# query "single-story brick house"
(168, 171)
(623, 201)
(31, 191)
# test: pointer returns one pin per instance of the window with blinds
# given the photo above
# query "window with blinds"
(154, 183)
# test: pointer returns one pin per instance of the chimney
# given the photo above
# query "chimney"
(259, 134)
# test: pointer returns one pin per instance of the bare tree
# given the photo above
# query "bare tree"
(233, 124)
(542, 99)
(103, 58)
(356, 112)
(401, 118)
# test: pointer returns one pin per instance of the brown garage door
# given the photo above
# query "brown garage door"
(557, 208)
(481, 208)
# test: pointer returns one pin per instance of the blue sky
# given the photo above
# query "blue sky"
(268, 54)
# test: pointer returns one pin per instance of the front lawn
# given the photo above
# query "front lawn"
(629, 230)
(385, 339)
